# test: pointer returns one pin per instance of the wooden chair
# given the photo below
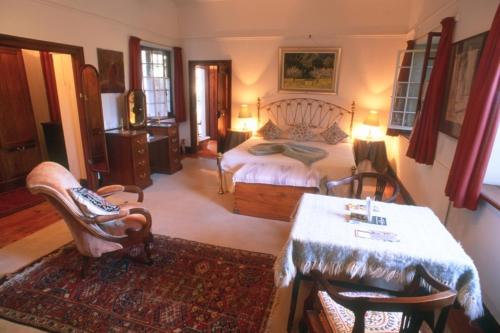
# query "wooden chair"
(325, 310)
(357, 182)
(100, 234)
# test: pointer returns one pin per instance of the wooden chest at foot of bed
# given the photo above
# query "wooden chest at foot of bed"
(274, 202)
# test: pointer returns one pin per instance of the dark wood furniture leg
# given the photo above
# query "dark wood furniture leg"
(293, 301)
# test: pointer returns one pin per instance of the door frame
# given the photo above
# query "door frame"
(78, 60)
(192, 96)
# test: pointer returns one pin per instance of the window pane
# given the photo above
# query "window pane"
(401, 90)
(411, 105)
(399, 104)
(151, 110)
(397, 118)
(409, 119)
(416, 74)
(404, 74)
(413, 91)
(160, 84)
(160, 97)
(150, 96)
(147, 84)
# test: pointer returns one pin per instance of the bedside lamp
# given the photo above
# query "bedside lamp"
(244, 114)
(371, 122)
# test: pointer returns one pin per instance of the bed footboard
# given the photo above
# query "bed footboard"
(219, 173)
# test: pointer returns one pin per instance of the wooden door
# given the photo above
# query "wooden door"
(223, 103)
(19, 148)
(94, 121)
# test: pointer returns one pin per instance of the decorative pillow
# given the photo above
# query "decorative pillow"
(334, 134)
(270, 131)
(301, 132)
(91, 203)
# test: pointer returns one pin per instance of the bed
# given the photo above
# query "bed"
(285, 113)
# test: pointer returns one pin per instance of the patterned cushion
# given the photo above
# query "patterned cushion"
(341, 320)
(301, 132)
(333, 134)
(270, 131)
(91, 203)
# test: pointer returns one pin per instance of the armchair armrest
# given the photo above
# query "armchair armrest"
(112, 189)
(106, 218)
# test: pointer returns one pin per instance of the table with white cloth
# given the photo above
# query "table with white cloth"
(323, 239)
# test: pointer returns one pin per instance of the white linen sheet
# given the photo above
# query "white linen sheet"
(337, 164)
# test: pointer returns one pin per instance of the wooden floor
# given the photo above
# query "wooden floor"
(25, 222)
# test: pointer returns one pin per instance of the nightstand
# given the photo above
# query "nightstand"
(374, 151)
(235, 137)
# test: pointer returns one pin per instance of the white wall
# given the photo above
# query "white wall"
(93, 24)
(250, 33)
(37, 93)
(63, 69)
(477, 231)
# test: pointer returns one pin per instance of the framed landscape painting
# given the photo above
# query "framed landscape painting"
(309, 69)
(464, 61)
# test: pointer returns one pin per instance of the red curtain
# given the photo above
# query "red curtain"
(479, 127)
(179, 101)
(49, 77)
(134, 49)
(425, 131)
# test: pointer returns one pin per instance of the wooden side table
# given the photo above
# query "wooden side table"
(374, 151)
(235, 137)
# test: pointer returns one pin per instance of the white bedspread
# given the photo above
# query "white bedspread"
(336, 165)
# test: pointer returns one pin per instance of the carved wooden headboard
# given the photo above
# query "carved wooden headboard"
(312, 112)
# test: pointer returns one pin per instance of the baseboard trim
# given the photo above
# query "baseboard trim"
(404, 192)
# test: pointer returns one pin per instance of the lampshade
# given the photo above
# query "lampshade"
(244, 112)
(372, 119)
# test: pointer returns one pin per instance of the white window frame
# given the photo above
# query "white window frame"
(394, 96)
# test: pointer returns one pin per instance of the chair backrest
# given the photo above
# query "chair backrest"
(418, 303)
(360, 182)
(52, 181)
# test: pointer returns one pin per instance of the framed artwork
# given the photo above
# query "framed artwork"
(111, 72)
(464, 60)
(309, 69)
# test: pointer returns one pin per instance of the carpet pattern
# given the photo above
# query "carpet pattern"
(190, 287)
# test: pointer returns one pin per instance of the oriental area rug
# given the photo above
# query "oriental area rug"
(190, 287)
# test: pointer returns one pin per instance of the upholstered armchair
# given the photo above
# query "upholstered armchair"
(97, 234)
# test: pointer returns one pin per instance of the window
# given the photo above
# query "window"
(156, 82)
(406, 89)
(411, 83)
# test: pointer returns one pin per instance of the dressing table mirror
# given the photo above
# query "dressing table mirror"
(135, 110)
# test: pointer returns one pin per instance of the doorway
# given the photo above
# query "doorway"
(72, 59)
(210, 105)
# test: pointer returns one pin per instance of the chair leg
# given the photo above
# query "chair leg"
(85, 266)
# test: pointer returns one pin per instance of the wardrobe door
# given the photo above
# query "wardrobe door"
(19, 150)
(96, 139)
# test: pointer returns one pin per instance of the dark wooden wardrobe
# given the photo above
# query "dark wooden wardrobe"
(19, 145)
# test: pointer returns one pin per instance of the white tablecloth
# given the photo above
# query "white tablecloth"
(322, 239)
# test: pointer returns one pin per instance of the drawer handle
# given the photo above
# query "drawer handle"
(175, 149)
(176, 160)
(138, 141)
(141, 163)
(174, 140)
(142, 175)
(141, 151)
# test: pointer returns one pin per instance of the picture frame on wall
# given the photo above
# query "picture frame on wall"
(307, 69)
(465, 57)
(111, 71)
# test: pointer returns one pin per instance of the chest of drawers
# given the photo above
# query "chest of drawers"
(128, 156)
(165, 153)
